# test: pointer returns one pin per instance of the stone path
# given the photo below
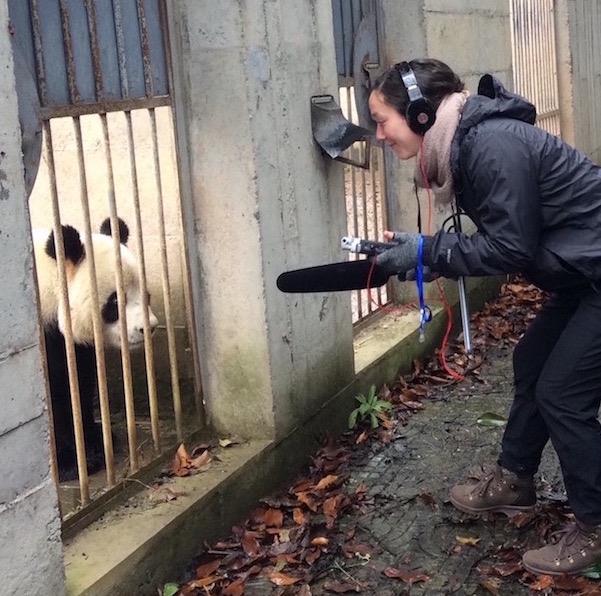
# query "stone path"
(410, 521)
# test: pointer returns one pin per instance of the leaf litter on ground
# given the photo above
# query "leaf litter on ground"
(293, 538)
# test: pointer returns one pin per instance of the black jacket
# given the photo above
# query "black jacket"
(535, 200)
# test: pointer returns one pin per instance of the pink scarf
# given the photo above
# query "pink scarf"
(434, 157)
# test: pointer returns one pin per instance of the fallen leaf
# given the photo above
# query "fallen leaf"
(320, 541)
(250, 544)
(281, 579)
(429, 500)
(361, 438)
(341, 587)
(304, 590)
(234, 589)
(332, 507)
(508, 568)
(300, 517)
(470, 540)
(492, 585)
(543, 582)
(326, 482)
(308, 500)
(491, 419)
(170, 589)
(227, 442)
(274, 518)
(408, 576)
(207, 569)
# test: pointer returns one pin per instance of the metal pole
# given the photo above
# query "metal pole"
(463, 302)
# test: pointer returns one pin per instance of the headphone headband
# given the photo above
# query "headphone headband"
(420, 114)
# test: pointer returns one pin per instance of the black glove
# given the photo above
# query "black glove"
(403, 256)
(412, 274)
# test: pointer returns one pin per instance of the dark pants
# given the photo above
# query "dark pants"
(557, 368)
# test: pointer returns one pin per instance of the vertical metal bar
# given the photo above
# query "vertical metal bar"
(68, 50)
(95, 49)
(188, 295)
(121, 301)
(363, 151)
(374, 201)
(148, 345)
(65, 309)
(171, 340)
(145, 43)
(103, 397)
(39, 51)
(354, 198)
(118, 19)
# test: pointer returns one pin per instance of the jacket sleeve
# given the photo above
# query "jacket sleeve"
(502, 172)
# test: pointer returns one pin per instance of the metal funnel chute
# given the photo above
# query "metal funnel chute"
(334, 133)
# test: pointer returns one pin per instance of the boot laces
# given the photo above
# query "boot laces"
(570, 539)
(488, 477)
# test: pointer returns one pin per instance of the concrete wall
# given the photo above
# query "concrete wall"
(30, 545)
(261, 200)
(473, 37)
(577, 26)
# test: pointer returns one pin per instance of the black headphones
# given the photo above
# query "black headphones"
(420, 114)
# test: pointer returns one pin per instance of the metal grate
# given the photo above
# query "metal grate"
(365, 207)
(102, 73)
(535, 58)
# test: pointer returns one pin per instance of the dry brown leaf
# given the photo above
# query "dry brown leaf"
(492, 585)
(543, 582)
(304, 590)
(320, 541)
(300, 517)
(274, 518)
(250, 544)
(408, 576)
(326, 482)
(361, 438)
(234, 589)
(341, 587)
(281, 579)
(208, 569)
(308, 500)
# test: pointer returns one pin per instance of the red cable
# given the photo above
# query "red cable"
(444, 345)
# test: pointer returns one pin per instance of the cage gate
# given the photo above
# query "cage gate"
(102, 73)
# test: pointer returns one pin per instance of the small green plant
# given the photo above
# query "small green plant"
(370, 407)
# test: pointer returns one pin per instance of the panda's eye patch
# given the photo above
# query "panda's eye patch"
(110, 310)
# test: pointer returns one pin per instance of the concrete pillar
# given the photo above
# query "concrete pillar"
(259, 199)
(30, 542)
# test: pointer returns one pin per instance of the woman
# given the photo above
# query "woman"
(536, 203)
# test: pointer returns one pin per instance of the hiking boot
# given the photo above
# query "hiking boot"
(491, 488)
(572, 550)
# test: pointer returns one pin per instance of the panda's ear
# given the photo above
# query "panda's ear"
(74, 249)
(105, 229)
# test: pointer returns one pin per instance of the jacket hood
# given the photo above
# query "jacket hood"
(494, 101)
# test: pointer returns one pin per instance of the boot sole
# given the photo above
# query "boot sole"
(508, 510)
(538, 571)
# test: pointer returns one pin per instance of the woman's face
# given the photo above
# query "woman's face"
(393, 128)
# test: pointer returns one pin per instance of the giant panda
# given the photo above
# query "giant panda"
(77, 267)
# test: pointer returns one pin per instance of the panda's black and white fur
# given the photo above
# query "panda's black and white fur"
(77, 268)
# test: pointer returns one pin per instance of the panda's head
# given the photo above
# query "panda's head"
(80, 295)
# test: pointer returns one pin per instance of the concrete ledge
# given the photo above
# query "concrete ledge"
(138, 547)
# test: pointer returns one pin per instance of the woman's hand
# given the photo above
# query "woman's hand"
(403, 256)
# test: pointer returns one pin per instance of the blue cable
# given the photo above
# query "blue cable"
(425, 314)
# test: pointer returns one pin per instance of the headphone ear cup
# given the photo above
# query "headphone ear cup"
(420, 116)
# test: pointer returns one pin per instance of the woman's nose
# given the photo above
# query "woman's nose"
(380, 136)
